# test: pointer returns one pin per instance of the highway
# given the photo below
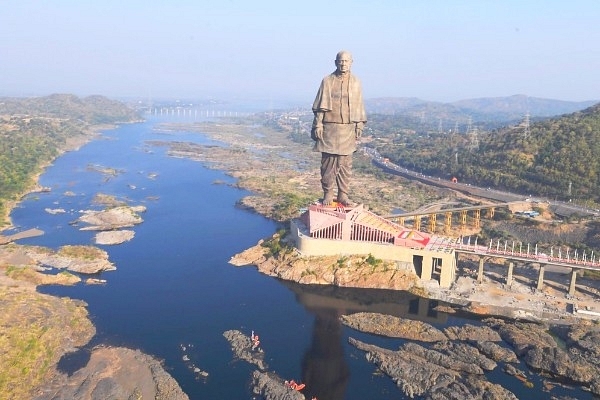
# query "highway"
(562, 209)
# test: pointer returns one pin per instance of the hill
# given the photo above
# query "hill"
(485, 113)
(91, 109)
(515, 107)
(557, 157)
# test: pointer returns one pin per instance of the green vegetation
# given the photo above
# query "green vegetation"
(308, 272)
(372, 261)
(34, 131)
(31, 342)
(82, 252)
(558, 158)
(18, 273)
(342, 261)
(276, 245)
(289, 204)
(590, 274)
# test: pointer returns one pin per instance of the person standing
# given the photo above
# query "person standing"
(339, 119)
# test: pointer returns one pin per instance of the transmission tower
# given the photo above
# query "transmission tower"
(526, 126)
(469, 125)
(474, 139)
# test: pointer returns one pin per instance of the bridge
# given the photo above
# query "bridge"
(418, 215)
(525, 253)
(192, 112)
(323, 230)
(569, 259)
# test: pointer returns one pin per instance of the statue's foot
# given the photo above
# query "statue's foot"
(328, 200)
(346, 202)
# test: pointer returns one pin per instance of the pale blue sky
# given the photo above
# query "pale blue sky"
(441, 50)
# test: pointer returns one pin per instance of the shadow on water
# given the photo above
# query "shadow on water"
(70, 363)
(325, 367)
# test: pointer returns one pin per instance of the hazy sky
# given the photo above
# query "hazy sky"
(442, 50)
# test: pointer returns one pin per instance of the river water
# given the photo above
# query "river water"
(174, 288)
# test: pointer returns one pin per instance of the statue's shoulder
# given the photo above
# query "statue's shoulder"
(354, 78)
(329, 77)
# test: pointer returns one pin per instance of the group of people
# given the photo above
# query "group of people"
(292, 383)
(255, 341)
(297, 386)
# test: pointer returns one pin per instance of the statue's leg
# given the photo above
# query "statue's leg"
(343, 179)
(328, 173)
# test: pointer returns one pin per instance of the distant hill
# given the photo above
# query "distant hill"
(557, 157)
(491, 110)
(518, 105)
(91, 109)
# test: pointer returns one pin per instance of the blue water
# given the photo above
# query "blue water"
(174, 287)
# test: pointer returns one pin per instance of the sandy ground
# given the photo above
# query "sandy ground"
(522, 299)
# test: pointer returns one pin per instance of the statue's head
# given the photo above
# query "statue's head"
(343, 62)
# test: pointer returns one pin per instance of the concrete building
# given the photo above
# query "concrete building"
(326, 231)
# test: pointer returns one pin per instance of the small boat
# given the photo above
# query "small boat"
(296, 386)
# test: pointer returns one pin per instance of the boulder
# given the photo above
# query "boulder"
(241, 346)
(391, 326)
(416, 372)
(271, 387)
(115, 373)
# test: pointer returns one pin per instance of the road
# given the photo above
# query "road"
(559, 208)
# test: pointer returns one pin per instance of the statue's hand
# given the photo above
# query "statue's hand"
(358, 133)
(317, 133)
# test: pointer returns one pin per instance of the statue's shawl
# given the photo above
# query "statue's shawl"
(323, 99)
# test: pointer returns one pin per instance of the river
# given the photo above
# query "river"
(174, 288)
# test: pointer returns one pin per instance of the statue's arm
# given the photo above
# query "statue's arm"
(317, 126)
(358, 129)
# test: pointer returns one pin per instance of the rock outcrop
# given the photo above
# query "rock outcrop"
(112, 218)
(456, 359)
(347, 271)
(578, 362)
(431, 374)
(115, 373)
(81, 259)
(241, 346)
(114, 237)
(270, 386)
(391, 326)
(266, 384)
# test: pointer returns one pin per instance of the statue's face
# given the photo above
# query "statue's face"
(343, 63)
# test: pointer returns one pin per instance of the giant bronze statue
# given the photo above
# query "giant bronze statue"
(339, 120)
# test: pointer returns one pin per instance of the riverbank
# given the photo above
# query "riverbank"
(72, 143)
(491, 297)
(38, 330)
